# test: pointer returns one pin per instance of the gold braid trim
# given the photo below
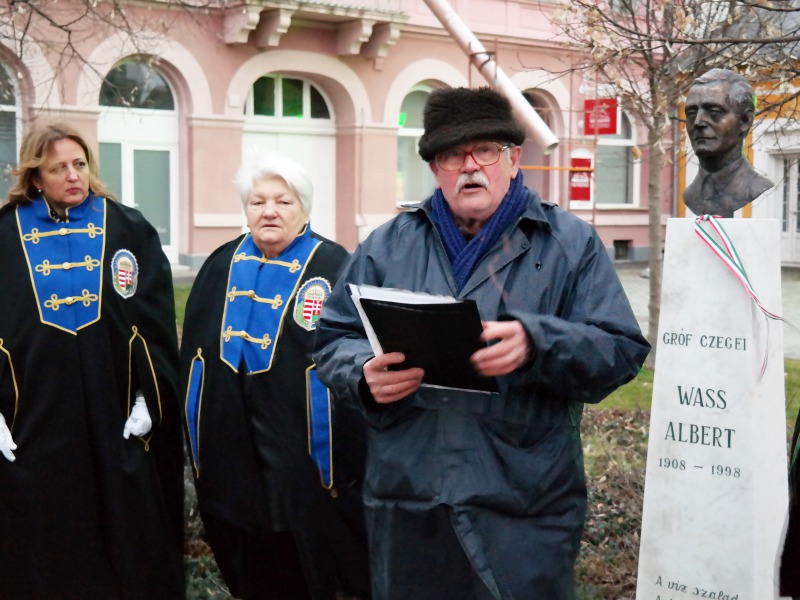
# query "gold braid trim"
(293, 266)
(46, 266)
(86, 298)
(35, 235)
(263, 341)
(276, 302)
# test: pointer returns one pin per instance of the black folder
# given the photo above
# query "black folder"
(438, 337)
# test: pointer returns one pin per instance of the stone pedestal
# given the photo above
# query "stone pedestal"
(716, 487)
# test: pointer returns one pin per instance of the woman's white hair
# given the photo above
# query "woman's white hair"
(259, 164)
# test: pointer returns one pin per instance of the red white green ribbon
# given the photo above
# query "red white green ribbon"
(726, 252)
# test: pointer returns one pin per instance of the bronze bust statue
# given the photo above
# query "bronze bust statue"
(719, 113)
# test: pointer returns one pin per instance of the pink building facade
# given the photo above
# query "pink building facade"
(174, 109)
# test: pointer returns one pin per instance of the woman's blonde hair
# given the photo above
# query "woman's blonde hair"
(35, 146)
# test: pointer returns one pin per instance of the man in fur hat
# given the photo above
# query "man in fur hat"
(470, 494)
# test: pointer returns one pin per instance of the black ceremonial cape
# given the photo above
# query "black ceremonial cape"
(790, 556)
(85, 513)
(249, 431)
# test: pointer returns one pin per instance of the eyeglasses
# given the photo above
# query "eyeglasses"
(485, 154)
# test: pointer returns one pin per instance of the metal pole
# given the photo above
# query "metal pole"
(537, 129)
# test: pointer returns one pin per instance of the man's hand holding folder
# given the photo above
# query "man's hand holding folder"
(390, 386)
(421, 339)
(509, 348)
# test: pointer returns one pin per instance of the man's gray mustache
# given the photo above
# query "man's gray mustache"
(467, 178)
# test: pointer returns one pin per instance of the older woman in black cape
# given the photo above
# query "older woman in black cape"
(277, 470)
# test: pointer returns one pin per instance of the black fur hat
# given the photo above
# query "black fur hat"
(455, 116)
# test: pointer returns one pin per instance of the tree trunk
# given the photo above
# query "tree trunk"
(655, 163)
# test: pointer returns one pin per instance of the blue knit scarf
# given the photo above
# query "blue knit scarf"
(464, 256)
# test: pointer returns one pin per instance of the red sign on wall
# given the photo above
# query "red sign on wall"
(600, 116)
(580, 182)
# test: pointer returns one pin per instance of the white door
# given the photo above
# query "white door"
(139, 162)
(317, 154)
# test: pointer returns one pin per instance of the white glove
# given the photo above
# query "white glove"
(139, 423)
(6, 443)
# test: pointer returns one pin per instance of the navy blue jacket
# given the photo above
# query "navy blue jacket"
(509, 465)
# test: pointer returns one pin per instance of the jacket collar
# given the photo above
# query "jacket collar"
(535, 212)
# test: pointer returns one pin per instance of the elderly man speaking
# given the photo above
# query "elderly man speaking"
(468, 494)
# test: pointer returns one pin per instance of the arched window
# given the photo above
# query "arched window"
(138, 135)
(8, 130)
(415, 181)
(135, 84)
(279, 96)
(615, 167)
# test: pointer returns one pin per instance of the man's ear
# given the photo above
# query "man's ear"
(435, 170)
(746, 121)
(516, 159)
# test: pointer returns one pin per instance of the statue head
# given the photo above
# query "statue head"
(719, 113)
(720, 107)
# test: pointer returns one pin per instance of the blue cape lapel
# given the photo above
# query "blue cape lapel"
(65, 261)
(257, 298)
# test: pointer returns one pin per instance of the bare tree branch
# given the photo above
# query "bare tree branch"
(650, 51)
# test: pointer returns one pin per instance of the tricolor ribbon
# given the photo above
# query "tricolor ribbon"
(726, 252)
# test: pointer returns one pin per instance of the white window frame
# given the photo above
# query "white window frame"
(636, 194)
(280, 133)
(249, 101)
(145, 129)
(411, 132)
(14, 108)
